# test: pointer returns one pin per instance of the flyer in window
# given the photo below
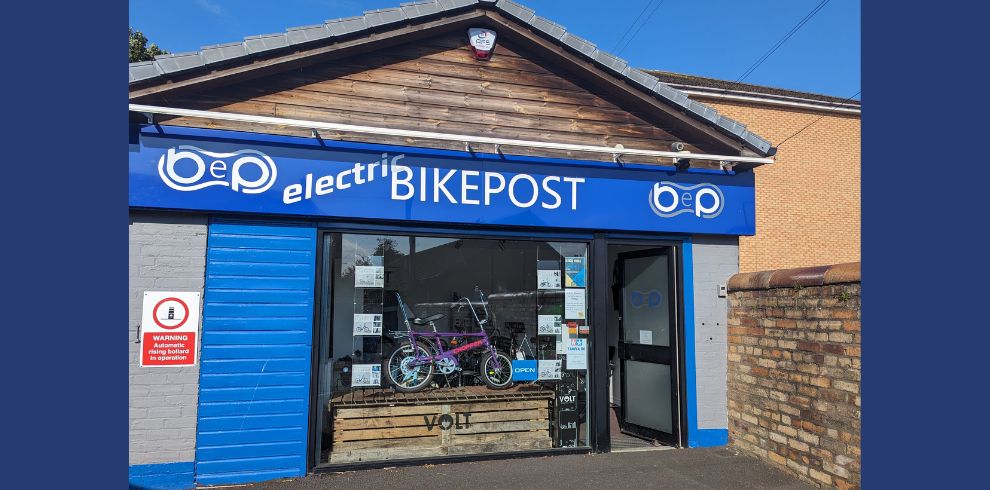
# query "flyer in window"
(548, 325)
(366, 375)
(577, 354)
(367, 324)
(548, 279)
(549, 369)
(369, 276)
(574, 304)
(574, 272)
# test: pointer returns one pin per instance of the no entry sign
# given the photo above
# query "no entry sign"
(170, 329)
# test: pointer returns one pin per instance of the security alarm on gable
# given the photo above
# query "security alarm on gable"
(482, 42)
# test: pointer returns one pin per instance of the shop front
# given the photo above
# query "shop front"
(399, 303)
(409, 249)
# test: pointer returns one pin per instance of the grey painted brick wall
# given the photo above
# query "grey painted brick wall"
(167, 253)
(715, 260)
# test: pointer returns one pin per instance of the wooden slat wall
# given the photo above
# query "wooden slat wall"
(436, 85)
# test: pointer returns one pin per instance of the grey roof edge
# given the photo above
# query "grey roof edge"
(293, 37)
(374, 19)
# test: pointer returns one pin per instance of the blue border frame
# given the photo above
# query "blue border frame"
(690, 373)
(161, 476)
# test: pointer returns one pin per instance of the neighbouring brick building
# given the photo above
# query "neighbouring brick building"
(795, 368)
(808, 201)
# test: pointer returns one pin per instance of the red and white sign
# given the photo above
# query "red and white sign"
(482, 42)
(170, 329)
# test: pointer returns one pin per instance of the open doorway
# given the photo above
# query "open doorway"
(643, 347)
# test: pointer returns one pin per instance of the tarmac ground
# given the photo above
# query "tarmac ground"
(699, 468)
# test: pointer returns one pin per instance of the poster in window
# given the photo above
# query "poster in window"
(366, 375)
(367, 324)
(548, 325)
(369, 276)
(574, 304)
(577, 354)
(574, 272)
(549, 369)
(548, 279)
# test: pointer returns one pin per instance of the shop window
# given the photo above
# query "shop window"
(436, 346)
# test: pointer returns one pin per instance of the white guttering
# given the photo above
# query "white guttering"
(405, 133)
(762, 99)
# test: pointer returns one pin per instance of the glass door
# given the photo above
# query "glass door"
(647, 336)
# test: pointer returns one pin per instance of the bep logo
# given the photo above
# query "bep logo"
(649, 299)
(247, 171)
(668, 199)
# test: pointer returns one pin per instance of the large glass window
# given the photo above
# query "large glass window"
(437, 346)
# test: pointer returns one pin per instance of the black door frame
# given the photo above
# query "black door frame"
(629, 351)
(601, 437)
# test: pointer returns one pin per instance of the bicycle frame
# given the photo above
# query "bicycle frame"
(452, 354)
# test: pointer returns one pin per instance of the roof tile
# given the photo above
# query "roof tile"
(171, 63)
(415, 10)
(142, 70)
(516, 11)
(305, 34)
(643, 79)
(346, 25)
(548, 27)
(381, 17)
(455, 4)
(265, 42)
(217, 53)
(579, 44)
(612, 62)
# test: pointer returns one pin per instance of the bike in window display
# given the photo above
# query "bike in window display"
(412, 364)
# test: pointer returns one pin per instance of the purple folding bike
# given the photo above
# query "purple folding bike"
(412, 364)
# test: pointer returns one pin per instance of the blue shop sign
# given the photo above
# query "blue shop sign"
(210, 170)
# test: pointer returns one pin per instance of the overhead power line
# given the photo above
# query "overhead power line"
(641, 12)
(756, 64)
(834, 106)
(634, 34)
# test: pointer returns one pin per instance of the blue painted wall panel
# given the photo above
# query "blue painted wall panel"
(257, 348)
(259, 282)
(220, 439)
(252, 393)
(242, 365)
(232, 323)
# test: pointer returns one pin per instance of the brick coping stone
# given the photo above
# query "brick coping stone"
(803, 276)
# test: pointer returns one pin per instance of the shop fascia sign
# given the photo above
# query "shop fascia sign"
(432, 186)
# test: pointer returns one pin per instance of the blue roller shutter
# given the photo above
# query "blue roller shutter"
(257, 346)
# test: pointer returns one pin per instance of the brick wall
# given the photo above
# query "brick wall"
(808, 201)
(167, 253)
(794, 371)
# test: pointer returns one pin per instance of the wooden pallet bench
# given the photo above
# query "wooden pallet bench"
(380, 426)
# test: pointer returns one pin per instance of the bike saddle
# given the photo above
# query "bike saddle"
(427, 320)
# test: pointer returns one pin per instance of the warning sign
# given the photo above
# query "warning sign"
(169, 329)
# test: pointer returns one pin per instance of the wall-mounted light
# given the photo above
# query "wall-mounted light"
(482, 43)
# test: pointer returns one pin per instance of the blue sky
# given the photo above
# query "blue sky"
(714, 38)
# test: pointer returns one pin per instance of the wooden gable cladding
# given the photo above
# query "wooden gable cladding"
(436, 85)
